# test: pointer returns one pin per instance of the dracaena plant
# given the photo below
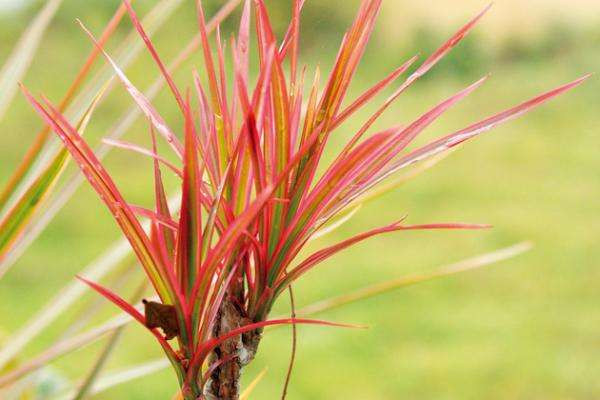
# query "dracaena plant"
(254, 187)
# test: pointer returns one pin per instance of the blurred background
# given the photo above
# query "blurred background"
(528, 328)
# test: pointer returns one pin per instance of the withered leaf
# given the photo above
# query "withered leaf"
(161, 316)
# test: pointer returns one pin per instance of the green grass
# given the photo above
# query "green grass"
(527, 329)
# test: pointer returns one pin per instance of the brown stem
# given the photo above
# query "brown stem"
(233, 354)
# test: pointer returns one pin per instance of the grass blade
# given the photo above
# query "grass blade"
(36, 148)
(16, 65)
(122, 376)
(62, 348)
(384, 287)
(96, 270)
(88, 383)
(15, 221)
(252, 385)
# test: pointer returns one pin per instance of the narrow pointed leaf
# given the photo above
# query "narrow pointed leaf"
(394, 284)
(103, 184)
(141, 100)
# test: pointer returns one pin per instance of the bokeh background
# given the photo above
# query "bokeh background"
(528, 328)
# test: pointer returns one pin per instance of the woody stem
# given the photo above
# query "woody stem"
(233, 354)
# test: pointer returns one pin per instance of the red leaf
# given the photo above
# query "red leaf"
(138, 26)
(141, 100)
(132, 311)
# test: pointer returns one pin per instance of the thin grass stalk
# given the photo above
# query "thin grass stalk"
(123, 375)
(93, 374)
(394, 284)
(58, 350)
(96, 270)
(18, 62)
(34, 151)
(88, 383)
